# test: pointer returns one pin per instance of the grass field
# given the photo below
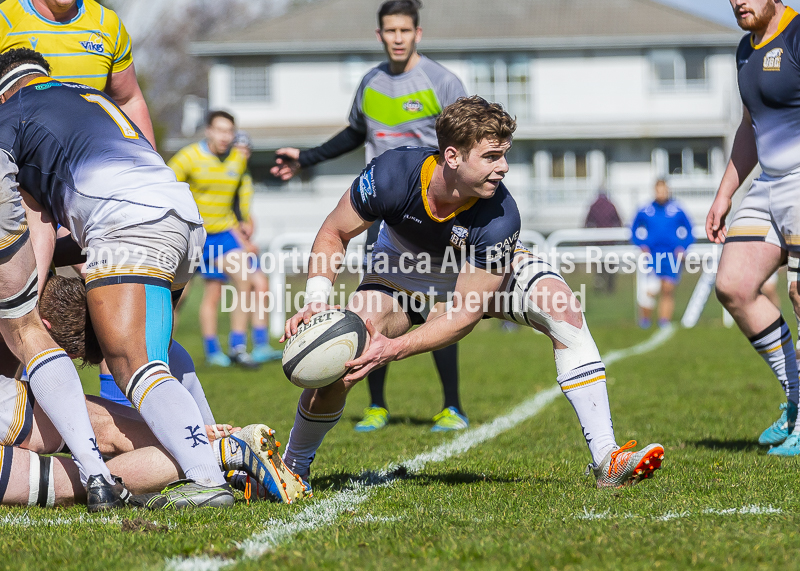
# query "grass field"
(516, 500)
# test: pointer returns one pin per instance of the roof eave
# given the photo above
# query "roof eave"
(232, 48)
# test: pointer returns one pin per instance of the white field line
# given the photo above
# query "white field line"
(325, 512)
(745, 510)
(25, 520)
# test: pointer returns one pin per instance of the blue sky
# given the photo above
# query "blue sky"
(718, 10)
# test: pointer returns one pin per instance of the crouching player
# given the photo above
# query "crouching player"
(434, 204)
(27, 477)
(85, 166)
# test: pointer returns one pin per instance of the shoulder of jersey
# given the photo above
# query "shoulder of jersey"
(434, 66)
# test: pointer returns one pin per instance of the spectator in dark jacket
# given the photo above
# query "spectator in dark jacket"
(603, 214)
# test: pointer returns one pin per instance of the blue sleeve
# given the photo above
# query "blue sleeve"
(376, 193)
(684, 230)
(639, 232)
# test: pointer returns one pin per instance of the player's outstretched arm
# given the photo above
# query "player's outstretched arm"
(475, 291)
(42, 229)
(123, 88)
(744, 158)
(327, 257)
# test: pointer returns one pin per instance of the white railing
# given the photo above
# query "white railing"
(291, 252)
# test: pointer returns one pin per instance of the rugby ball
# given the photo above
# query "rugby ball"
(315, 356)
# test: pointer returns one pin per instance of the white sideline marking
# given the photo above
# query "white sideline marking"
(745, 510)
(25, 520)
(325, 512)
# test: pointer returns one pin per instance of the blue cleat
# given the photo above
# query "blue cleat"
(790, 447)
(778, 431)
(265, 353)
(218, 359)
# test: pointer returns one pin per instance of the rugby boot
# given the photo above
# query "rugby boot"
(779, 430)
(448, 420)
(623, 466)
(375, 418)
(255, 452)
(789, 447)
(186, 493)
(265, 353)
(243, 359)
(102, 496)
(218, 359)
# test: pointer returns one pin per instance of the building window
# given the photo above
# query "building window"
(568, 165)
(679, 69)
(697, 160)
(250, 83)
(505, 81)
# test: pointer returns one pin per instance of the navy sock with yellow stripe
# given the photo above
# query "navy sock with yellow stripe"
(775, 346)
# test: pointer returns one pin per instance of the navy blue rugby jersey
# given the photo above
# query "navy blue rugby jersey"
(85, 162)
(394, 187)
(769, 83)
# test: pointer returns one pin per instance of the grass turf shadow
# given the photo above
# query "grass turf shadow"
(342, 480)
(730, 445)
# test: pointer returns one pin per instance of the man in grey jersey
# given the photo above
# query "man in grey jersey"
(396, 105)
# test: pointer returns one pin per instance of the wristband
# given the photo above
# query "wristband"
(318, 289)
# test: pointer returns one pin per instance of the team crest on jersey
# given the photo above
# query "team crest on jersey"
(772, 61)
(412, 106)
(366, 184)
(94, 44)
(458, 236)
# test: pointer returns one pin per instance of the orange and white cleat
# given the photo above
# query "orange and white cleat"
(269, 478)
(624, 467)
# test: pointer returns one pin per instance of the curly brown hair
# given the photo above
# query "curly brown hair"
(63, 305)
(469, 121)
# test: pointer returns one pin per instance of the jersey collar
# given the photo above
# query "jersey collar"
(28, 6)
(788, 16)
(203, 144)
(425, 176)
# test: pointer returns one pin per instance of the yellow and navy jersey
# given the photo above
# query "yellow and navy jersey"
(85, 162)
(86, 49)
(769, 83)
(216, 184)
(394, 187)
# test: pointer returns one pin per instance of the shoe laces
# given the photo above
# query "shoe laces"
(615, 460)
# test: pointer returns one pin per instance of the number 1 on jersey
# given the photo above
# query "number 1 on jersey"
(124, 125)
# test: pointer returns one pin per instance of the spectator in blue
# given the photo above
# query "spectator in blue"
(662, 230)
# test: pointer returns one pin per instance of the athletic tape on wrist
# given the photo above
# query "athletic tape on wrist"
(793, 273)
(318, 289)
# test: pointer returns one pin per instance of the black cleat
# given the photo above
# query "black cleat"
(243, 359)
(102, 496)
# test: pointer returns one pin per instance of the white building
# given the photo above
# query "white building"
(612, 93)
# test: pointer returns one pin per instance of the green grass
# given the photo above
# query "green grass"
(518, 501)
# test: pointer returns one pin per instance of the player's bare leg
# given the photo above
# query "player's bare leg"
(238, 273)
(319, 410)
(743, 270)
(136, 352)
(209, 323)
(52, 376)
(537, 296)
(666, 302)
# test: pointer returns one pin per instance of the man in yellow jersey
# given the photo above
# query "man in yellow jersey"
(216, 171)
(84, 42)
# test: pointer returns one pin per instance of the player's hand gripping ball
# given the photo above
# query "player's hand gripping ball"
(315, 356)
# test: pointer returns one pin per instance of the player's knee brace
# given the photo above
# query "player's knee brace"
(42, 481)
(580, 346)
(145, 379)
(793, 273)
(22, 302)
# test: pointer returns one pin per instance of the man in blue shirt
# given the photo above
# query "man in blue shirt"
(662, 230)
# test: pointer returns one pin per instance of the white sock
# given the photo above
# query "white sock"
(57, 388)
(229, 454)
(182, 368)
(172, 414)
(585, 389)
(306, 436)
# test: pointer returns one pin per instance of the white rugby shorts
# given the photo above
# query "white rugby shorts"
(770, 212)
